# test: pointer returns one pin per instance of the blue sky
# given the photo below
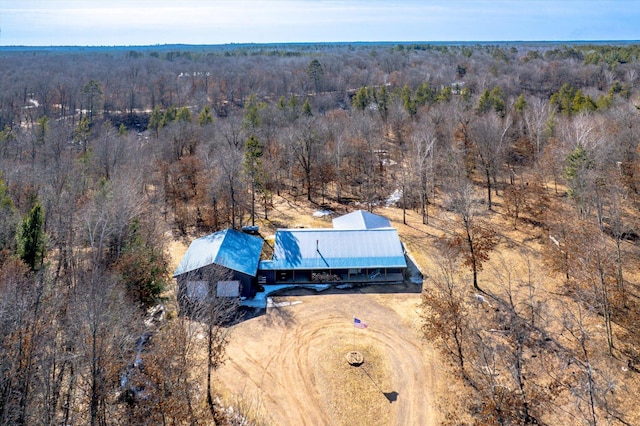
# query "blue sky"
(148, 22)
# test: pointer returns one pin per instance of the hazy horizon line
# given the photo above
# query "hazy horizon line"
(276, 43)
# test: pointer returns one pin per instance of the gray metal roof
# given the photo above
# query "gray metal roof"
(361, 219)
(336, 249)
(229, 248)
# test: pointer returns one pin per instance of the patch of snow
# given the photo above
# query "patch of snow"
(155, 316)
(272, 304)
(394, 198)
(481, 299)
(34, 103)
(322, 213)
(261, 298)
(417, 277)
(320, 287)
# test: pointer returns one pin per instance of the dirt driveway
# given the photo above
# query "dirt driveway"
(293, 360)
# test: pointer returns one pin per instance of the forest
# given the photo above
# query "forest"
(109, 154)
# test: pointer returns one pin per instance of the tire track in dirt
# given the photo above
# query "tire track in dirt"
(410, 377)
(409, 373)
(297, 376)
(279, 360)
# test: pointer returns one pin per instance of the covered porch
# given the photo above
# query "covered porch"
(330, 276)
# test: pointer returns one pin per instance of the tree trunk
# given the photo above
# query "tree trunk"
(70, 395)
(253, 201)
(606, 310)
(620, 277)
(94, 379)
(590, 384)
(518, 358)
(404, 202)
(458, 340)
(474, 261)
(217, 417)
(233, 207)
(215, 214)
(210, 403)
(266, 204)
(488, 187)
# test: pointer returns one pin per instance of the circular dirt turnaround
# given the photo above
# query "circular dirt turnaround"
(355, 358)
(282, 361)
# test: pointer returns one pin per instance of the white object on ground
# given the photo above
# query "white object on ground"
(322, 213)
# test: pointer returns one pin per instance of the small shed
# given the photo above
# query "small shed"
(361, 219)
(226, 261)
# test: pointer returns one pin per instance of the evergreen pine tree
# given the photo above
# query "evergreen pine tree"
(31, 238)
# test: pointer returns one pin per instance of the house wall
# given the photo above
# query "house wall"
(212, 274)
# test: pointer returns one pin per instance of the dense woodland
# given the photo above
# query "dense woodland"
(107, 154)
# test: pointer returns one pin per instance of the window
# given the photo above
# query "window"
(228, 289)
(197, 290)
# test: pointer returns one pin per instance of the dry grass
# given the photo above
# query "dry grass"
(355, 394)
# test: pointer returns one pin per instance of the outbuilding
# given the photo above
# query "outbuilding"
(225, 262)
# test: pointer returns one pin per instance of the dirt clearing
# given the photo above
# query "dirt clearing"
(293, 360)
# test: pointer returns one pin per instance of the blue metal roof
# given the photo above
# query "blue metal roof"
(336, 249)
(229, 248)
(361, 219)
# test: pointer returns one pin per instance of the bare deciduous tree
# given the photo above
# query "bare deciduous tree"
(489, 135)
(215, 313)
(445, 309)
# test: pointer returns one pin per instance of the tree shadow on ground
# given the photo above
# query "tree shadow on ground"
(246, 313)
(280, 316)
(383, 288)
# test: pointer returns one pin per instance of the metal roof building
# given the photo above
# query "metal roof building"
(336, 249)
(345, 254)
(361, 219)
(223, 264)
(229, 248)
(361, 248)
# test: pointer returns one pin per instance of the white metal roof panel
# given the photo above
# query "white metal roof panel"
(361, 219)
